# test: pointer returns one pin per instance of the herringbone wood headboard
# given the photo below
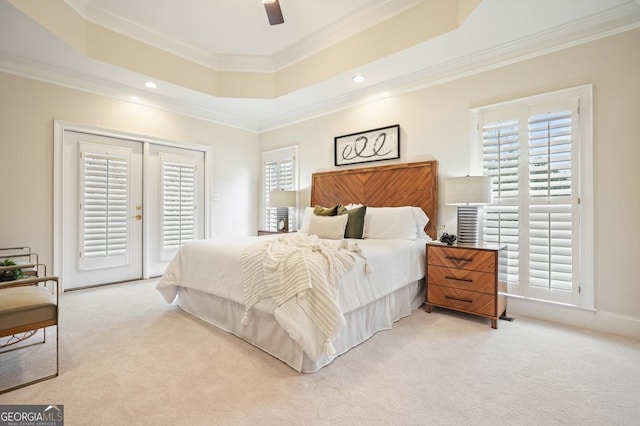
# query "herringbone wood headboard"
(408, 184)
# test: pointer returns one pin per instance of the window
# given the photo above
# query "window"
(538, 153)
(279, 172)
(178, 207)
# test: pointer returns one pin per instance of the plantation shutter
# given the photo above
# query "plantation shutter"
(178, 207)
(500, 155)
(270, 184)
(530, 152)
(550, 183)
(104, 206)
(279, 173)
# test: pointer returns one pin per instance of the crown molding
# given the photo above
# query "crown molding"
(83, 82)
(341, 30)
(615, 21)
(120, 25)
(319, 40)
(611, 22)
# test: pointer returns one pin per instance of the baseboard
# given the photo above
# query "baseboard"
(606, 322)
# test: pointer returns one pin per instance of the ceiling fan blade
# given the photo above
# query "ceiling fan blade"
(274, 13)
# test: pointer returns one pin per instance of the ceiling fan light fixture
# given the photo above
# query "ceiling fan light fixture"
(274, 13)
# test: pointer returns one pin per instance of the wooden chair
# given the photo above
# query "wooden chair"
(27, 305)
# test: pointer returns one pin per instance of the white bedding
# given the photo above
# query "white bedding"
(300, 275)
(214, 267)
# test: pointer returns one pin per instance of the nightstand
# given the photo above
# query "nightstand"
(467, 278)
(262, 232)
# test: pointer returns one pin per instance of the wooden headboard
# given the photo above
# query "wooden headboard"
(408, 184)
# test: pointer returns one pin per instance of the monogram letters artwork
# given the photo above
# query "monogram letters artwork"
(372, 145)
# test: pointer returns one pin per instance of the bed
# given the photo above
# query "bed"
(371, 282)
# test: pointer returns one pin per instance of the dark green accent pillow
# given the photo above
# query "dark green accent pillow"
(329, 211)
(355, 222)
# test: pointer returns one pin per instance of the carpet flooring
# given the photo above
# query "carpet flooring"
(128, 358)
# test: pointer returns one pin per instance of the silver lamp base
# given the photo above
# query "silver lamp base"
(282, 216)
(468, 225)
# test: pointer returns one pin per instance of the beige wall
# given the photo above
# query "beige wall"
(27, 112)
(434, 124)
(435, 120)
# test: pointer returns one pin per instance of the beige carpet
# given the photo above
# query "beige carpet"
(128, 358)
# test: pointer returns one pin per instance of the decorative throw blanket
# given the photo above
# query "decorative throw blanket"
(300, 273)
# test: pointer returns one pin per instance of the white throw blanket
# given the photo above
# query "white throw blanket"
(300, 274)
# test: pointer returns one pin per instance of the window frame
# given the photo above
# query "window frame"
(583, 95)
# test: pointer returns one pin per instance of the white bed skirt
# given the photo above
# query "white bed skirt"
(361, 323)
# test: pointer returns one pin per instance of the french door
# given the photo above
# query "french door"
(127, 206)
(175, 195)
(102, 210)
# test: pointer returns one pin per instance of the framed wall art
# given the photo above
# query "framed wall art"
(363, 147)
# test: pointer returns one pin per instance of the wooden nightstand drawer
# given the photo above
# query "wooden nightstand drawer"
(461, 258)
(462, 300)
(467, 278)
(483, 282)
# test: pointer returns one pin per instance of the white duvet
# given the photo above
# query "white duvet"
(215, 267)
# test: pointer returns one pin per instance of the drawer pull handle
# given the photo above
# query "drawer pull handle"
(466, 280)
(458, 299)
(459, 259)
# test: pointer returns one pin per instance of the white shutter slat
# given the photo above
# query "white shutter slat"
(500, 144)
(550, 178)
(530, 149)
(550, 154)
(500, 157)
(178, 202)
(501, 226)
(105, 200)
(270, 170)
(550, 245)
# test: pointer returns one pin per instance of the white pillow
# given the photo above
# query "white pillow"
(306, 218)
(329, 227)
(352, 206)
(388, 223)
(421, 220)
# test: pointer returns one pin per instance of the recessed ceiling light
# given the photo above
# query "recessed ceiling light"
(359, 78)
(150, 84)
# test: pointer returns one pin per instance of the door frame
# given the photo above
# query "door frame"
(60, 126)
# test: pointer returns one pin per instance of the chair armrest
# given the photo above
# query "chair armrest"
(28, 281)
(18, 266)
(29, 269)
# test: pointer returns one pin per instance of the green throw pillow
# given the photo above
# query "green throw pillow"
(329, 211)
(355, 222)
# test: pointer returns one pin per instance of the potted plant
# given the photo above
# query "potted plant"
(11, 274)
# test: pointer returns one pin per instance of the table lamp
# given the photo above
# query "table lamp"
(282, 200)
(468, 193)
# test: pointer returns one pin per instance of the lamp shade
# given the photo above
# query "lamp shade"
(282, 199)
(468, 191)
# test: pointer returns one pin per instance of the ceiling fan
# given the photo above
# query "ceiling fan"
(274, 13)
